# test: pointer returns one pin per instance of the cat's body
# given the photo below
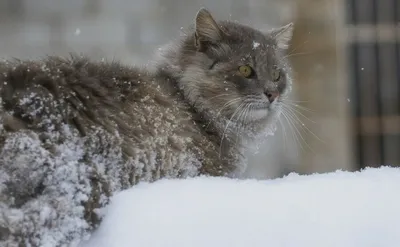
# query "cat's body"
(74, 131)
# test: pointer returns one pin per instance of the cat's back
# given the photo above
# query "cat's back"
(58, 88)
(106, 104)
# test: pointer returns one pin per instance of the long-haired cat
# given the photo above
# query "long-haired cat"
(75, 131)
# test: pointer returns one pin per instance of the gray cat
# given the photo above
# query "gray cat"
(74, 131)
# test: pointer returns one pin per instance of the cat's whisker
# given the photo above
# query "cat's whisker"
(219, 95)
(298, 112)
(297, 119)
(283, 133)
(239, 122)
(298, 132)
(286, 136)
(300, 107)
(303, 108)
(227, 125)
(239, 116)
(248, 111)
(295, 101)
(295, 112)
(298, 54)
(293, 121)
(299, 46)
(226, 105)
(294, 134)
(242, 117)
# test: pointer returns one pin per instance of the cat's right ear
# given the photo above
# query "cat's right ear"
(207, 30)
(283, 35)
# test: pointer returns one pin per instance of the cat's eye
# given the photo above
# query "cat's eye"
(246, 71)
(275, 75)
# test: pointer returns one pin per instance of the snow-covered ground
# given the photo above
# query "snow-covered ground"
(341, 209)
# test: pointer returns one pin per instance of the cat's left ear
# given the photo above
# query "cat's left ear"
(283, 35)
(207, 29)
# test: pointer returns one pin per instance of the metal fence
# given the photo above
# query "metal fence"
(374, 59)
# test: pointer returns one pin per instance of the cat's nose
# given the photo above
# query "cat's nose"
(271, 95)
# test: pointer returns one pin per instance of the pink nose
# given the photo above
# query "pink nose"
(272, 95)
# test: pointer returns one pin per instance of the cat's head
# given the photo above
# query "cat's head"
(236, 71)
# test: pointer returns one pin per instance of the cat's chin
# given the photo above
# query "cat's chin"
(263, 113)
(262, 121)
(258, 114)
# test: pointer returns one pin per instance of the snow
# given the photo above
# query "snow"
(336, 209)
(77, 31)
(255, 45)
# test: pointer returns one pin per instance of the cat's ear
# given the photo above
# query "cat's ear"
(207, 29)
(283, 35)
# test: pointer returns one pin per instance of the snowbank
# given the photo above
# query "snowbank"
(339, 209)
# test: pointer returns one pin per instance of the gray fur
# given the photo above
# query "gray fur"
(74, 131)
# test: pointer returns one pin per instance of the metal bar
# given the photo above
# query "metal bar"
(377, 52)
(366, 33)
(356, 88)
(355, 101)
(351, 12)
(368, 74)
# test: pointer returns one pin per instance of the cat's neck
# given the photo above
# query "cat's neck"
(166, 61)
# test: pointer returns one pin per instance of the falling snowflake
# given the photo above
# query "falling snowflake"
(77, 32)
(255, 45)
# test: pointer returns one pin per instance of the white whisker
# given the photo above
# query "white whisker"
(303, 108)
(227, 125)
(226, 105)
(292, 119)
(294, 134)
(243, 116)
(297, 119)
(297, 111)
(283, 133)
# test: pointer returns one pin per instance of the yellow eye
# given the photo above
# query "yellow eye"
(246, 71)
(275, 75)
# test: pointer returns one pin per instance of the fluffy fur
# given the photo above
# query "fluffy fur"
(75, 131)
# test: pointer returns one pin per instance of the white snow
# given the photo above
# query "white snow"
(77, 32)
(255, 45)
(341, 209)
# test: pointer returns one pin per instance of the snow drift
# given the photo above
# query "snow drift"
(341, 209)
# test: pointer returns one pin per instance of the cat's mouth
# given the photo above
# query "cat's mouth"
(262, 110)
(258, 114)
(259, 106)
(254, 111)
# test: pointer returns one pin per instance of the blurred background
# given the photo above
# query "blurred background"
(345, 105)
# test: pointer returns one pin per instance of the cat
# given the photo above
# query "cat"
(75, 131)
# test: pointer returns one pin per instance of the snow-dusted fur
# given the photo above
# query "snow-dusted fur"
(75, 131)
